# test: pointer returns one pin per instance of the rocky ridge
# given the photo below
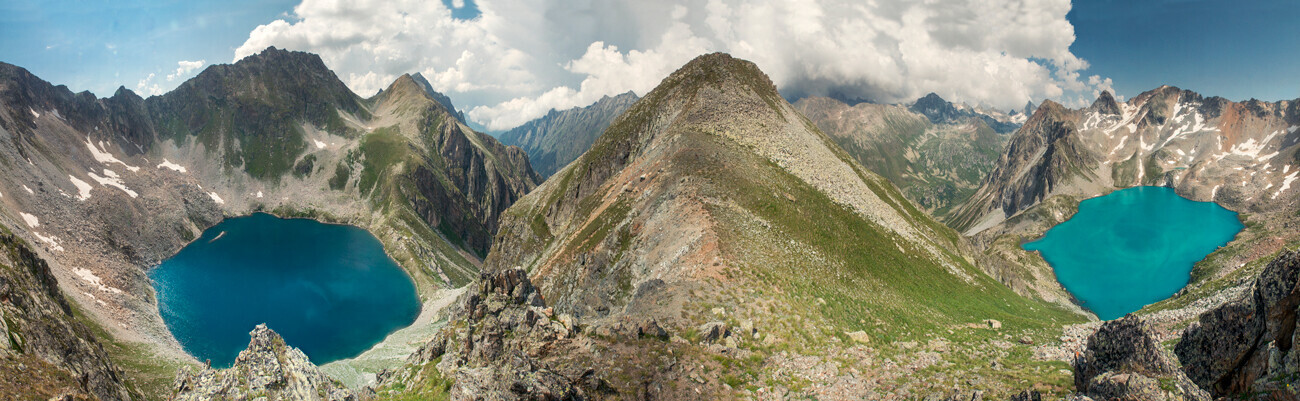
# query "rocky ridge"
(269, 369)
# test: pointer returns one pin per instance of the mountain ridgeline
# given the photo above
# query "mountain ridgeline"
(559, 137)
(711, 222)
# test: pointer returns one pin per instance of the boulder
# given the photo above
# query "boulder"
(1123, 361)
(711, 332)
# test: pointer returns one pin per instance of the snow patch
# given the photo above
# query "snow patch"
(34, 113)
(216, 198)
(103, 156)
(83, 188)
(94, 280)
(51, 240)
(1214, 192)
(31, 220)
(170, 165)
(319, 144)
(1286, 183)
(1293, 128)
(1121, 144)
(29, 190)
(112, 180)
(259, 194)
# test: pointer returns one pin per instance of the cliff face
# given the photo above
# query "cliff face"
(47, 353)
(1246, 346)
(1123, 361)
(559, 137)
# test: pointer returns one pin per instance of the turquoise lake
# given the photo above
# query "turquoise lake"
(328, 289)
(1133, 247)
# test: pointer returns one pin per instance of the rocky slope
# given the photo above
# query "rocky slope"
(935, 153)
(559, 137)
(269, 369)
(47, 352)
(110, 187)
(1123, 361)
(713, 243)
(1241, 155)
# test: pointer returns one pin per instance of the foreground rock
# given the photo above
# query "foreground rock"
(1245, 345)
(269, 368)
(1125, 362)
(46, 353)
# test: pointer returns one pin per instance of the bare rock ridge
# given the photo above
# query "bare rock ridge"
(559, 137)
(47, 353)
(269, 369)
(1247, 346)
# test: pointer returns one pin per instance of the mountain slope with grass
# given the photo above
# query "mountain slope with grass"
(714, 243)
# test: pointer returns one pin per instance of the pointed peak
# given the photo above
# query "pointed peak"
(1105, 104)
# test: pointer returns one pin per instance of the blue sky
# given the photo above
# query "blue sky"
(1234, 49)
(524, 57)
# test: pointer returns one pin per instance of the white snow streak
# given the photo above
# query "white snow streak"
(83, 188)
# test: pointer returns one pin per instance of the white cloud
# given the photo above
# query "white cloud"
(521, 58)
(147, 87)
(184, 67)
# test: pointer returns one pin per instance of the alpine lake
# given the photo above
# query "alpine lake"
(1133, 247)
(328, 289)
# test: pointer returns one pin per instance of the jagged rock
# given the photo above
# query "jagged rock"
(268, 368)
(42, 337)
(1031, 395)
(713, 331)
(1245, 345)
(1125, 362)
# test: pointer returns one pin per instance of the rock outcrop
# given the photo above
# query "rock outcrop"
(1246, 346)
(269, 369)
(494, 348)
(46, 353)
(1124, 361)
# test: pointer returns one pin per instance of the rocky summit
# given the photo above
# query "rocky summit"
(269, 369)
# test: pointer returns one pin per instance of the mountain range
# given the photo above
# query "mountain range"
(709, 240)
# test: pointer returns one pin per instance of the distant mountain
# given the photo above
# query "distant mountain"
(1207, 148)
(106, 188)
(711, 216)
(941, 111)
(559, 137)
(936, 164)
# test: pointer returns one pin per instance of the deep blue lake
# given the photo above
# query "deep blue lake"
(328, 289)
(1133, 247)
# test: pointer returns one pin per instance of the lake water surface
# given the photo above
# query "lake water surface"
(328, 289)
(1133, 247)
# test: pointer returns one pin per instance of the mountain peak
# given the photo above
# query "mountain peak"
(1105, 104)
(936, 109)
(439, 97)
(719, 68)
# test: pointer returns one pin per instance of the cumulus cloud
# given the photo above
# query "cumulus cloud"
(521, 58)
(184, 67)
(148, 87)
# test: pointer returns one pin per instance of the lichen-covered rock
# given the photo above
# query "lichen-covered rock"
(269, 369)
(1125, 362)
(1245, 345)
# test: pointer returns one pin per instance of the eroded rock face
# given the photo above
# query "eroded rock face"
(268, 368)
(40, 329)
(1245, 345)
(1125, 362)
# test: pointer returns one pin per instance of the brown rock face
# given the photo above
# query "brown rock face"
(1245, 345)
(45, 347)
(1125, 362)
